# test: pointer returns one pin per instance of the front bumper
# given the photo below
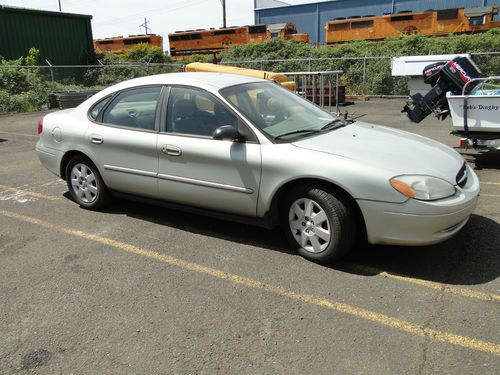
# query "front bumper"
(420, 222)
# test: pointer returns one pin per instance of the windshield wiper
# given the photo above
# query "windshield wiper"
(298, 132)
(335, 124)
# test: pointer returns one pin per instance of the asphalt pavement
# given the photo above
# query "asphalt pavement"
(139, 289)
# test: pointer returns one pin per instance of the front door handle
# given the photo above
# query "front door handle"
(171, 150)
(95, 138)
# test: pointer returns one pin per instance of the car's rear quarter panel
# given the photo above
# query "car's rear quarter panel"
(62, 132)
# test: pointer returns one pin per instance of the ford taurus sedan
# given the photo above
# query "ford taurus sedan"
(249, 150)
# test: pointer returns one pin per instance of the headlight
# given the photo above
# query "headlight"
(424, 188)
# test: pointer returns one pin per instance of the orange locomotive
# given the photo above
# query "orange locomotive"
(286, 31)
(119, 44)
(202, 41)
(431, 22)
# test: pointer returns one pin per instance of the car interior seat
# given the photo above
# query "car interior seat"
(183, 117)
(223, 116)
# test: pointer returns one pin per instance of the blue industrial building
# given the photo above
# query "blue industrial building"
(311, 18)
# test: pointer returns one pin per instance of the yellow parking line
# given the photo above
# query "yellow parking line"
(428, 284)
(490, 183)
(434, 334)
(27, 192)
(489, 195)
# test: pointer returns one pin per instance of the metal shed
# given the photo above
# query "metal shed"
(311, 18)
(62, 38)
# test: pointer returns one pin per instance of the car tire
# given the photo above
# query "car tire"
(85, 184)
(319, 225)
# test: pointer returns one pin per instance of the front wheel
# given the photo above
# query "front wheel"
(319, 225)
(85, 183)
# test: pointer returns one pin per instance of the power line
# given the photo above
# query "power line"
(145, 25)
(177, 6)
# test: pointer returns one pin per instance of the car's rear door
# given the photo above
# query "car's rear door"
(123, 140)
(195, 169)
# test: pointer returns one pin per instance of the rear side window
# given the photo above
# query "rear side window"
(94, 112)
(135, 108)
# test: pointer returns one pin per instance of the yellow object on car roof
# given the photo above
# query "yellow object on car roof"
(272, 76)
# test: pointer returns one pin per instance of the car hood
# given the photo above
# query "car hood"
(394, 150)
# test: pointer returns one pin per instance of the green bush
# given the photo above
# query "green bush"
(372, 76)
(108, 74)
(22, 88)
(197, 58)
(111, 72)
(145, 53)
(26, 89)
(25, 102)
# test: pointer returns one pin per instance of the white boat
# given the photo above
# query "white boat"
(479, 111)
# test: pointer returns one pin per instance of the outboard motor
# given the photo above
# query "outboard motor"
(443, 77)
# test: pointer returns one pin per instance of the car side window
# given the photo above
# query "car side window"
(195, 112)
(94, 112)
(135, 108)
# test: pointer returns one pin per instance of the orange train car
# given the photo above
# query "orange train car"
(209, 41)
(431, 23)
(119, 44)
(286, 31)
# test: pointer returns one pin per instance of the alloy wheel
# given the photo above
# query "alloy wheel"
(84, 183)
(309, 225)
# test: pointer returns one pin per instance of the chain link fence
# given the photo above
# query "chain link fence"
(25, 88)
(365, 75)
(95, 76)
(362, 75)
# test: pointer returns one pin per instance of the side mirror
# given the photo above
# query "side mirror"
(227, 133)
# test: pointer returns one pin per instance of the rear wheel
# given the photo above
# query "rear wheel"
(85, 183)
(319, 225)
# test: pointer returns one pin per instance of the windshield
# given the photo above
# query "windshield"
(276, 111)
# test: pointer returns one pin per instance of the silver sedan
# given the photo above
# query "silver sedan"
(249, 150)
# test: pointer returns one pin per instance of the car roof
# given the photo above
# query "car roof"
(215, 81)
(209, 81)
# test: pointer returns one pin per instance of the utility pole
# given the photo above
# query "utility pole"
(223, 13)
(145, 25)
(60, 6)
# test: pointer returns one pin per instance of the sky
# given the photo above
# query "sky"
(123, 17)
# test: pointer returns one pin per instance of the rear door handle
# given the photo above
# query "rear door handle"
(171, 150)
(95, 138)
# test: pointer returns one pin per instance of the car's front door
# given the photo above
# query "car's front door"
(123, 140)
(197, 170)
